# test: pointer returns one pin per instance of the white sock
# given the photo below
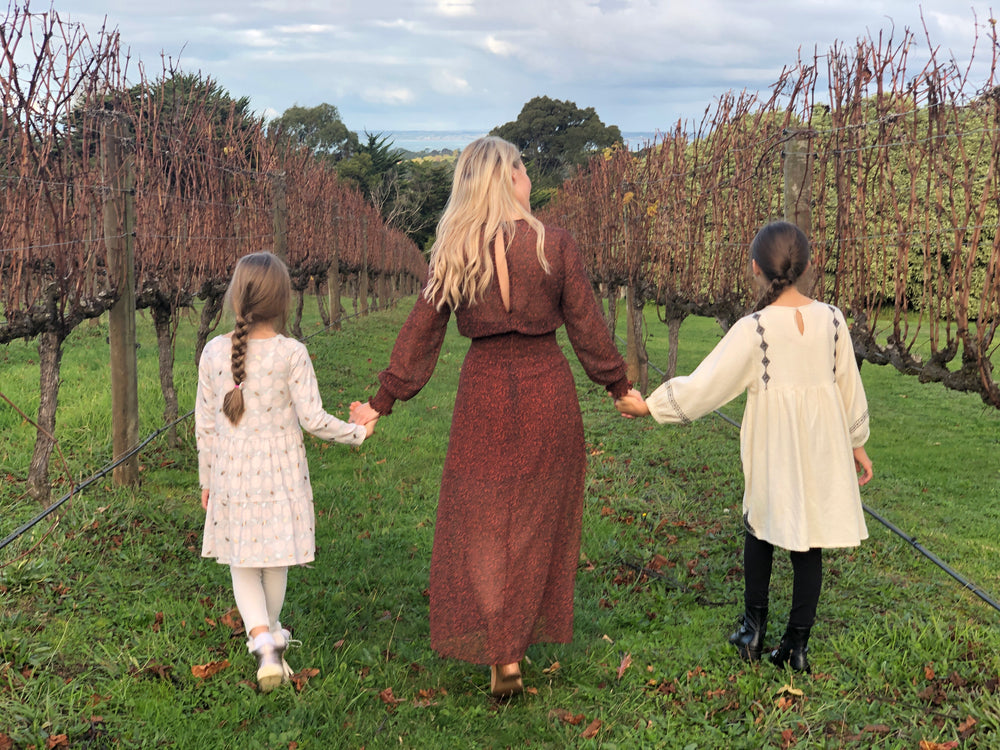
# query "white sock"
(263, 639)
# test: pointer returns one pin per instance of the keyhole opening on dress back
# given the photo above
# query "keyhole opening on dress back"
(800, 322)
(503, 277)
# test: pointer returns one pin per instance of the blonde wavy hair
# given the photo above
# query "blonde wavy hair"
(482, 204)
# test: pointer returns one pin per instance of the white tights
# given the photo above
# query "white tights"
(259, 593)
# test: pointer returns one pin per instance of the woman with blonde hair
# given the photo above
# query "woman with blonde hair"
(507, 539)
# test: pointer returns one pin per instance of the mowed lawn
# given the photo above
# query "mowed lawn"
(114, 633)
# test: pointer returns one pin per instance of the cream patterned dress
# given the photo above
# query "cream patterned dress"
(260, 509)
(805, 412)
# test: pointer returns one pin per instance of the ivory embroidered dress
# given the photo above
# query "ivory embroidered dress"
(260, 510)
(805, 412)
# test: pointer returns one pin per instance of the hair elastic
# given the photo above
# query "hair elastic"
(238, 385)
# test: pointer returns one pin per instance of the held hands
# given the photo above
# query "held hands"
(632, 405)
(863, 464)
(365, 415)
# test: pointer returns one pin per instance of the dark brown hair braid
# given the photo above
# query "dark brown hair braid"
(782, 253)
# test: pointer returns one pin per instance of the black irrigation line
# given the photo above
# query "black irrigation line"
(80, 487)
(77, 489)
(912, 541)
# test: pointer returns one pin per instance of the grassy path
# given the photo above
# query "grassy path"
(101, 626)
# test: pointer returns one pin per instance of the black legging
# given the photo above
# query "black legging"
(807, 570)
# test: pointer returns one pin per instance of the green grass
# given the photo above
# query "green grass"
(102, 623)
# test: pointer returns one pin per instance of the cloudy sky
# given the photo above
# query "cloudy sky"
(392, 65)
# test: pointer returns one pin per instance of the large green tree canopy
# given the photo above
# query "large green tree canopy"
(319, 129)
(556, 136)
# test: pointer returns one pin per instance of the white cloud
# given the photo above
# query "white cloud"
(306, 28)
(446, 82)
(255, 38)
(456, 8)
(498, 46)
(391, 96)
(399, 23)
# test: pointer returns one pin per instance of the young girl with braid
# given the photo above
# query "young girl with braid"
(256, 391)
(801, 441)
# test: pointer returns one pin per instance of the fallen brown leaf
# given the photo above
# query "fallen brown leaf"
(591, 731)
(626, 663)
(566, 717)
(554, 667)
(965, 728)
(56, 740)
(204, 671)
(232, 620)
(388, 698)
(300, 678)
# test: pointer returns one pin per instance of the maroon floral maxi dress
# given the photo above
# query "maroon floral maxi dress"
(507, 538)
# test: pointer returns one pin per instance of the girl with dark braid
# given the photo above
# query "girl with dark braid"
(256, 391)
(801, 441)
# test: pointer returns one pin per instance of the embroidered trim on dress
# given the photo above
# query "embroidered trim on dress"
(763, 346)
(675, 405)
(836, 337)
(860, 421)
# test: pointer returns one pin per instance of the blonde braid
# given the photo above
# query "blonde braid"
(232, 403)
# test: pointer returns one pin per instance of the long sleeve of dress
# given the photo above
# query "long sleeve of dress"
(586, 327)
(414, 355)
(849, 383)
(204, 423)
(304, 392)
(723, 375)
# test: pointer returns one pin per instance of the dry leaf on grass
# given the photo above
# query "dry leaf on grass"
(232, 620)
(790, 690)
(204, 671)
(566, 717)
(591, 731)
(626, 663)
(554, 667)
(300, 678)
(388, 698)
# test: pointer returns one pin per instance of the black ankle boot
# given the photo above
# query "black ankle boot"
(793, 649)
(749, 639)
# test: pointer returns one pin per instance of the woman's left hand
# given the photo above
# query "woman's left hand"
(632, 404)
(204, 499)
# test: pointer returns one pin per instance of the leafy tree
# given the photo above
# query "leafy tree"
(372, 166)
(555, 137)
(409, 194)
(318, 128)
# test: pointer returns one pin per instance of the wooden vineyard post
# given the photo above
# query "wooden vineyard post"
(333, 283)
(798, 182)
(118, 173)
(279, 215)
